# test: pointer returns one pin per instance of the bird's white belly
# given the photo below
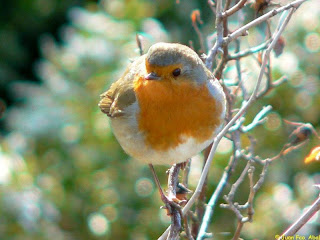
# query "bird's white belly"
(133, 142)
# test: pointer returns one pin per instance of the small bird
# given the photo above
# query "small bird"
(166, 107)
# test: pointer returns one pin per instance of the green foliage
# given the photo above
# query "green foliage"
(63, 174)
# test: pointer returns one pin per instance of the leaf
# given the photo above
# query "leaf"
(314, 155)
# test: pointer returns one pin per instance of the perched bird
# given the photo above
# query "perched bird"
(166, 107)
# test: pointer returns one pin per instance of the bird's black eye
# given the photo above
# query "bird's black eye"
(176, 72)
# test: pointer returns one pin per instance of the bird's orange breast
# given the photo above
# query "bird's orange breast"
(170, 112)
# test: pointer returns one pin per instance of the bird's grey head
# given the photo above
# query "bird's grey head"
(174, 54)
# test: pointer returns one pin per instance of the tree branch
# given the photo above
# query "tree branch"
(234, 9)
(218, 44)
(252, 98)
(249, 51)
(261, 19)
(304, 218)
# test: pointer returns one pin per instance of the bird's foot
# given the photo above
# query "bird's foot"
(172, 203)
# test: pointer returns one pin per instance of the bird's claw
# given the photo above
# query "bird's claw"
(172, 203)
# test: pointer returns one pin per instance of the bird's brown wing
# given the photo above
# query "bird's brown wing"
(121, 93)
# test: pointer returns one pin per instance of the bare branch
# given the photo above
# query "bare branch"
(218, 44)
(235, 207)
(261, 19)
(243, 109)
(236, 185)
(185, 181)
(239, 73)
(262, 176)
(252, 98)
(249, 51)
(304, 218)
(234, 9)
(258, 119)
(187, 228)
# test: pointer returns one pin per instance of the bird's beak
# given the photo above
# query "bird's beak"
(152, 76)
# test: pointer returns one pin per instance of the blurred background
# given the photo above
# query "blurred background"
(62, 173)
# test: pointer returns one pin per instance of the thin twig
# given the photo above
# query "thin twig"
(258, 119)
(249, 51)
(261, 19)
(235, 207)
(187, 228)
(214, 198)
(236, 185)
(239, 73)
(234, 9)
(186, 172)
(225, 50)
(305, 217)
(251, 194)
(222, 183)
(218, 44)
(238, 230)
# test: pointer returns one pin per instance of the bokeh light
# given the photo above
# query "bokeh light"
(6, 168)
(312, 42)
(297, 78)
(282, 194)
(273, 122)
(165, 219)
(70, 133)
(108, 195)
(225, 146)
(110, 211)
(303, 100)
(144, 187)
(98, 224)
(287, 63)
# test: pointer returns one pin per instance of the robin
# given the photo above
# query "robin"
(166, 107)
